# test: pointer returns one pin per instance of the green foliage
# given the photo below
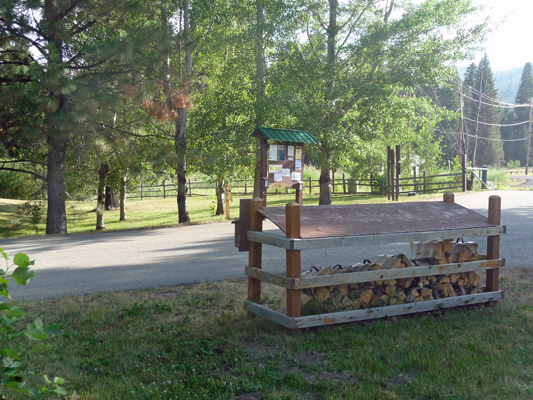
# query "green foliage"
(513, 164)
(17, 186)
(16, 341)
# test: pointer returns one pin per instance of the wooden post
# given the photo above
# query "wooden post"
(398, 165)
(463, 171)
(294, 299)
(388, 173)
(255, 252)
(529, 137)
(141, 190)
(190, 189)
(245, 186)
(414, 180)
(344, 183)
(493, 242)
(424, 176)
(310, 184)
(164, 190)
(333, 181)
(449, 197)
(371, 183)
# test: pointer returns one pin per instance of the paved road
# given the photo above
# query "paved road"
(99, 262)
(527, 178)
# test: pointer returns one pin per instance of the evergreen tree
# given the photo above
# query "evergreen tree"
(481, 116)
(517, 150)
(72, 60)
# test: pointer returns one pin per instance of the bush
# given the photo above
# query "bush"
(15, 185)
(17, 341)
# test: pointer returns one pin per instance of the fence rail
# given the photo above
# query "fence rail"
(373, 185)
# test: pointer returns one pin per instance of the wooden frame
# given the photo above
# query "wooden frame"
(293, 282)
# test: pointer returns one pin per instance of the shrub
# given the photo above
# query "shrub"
(17, 341)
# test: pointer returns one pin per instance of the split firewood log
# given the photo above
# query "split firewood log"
(377, 267)
(463, 252)
(433, 250)
(321, 294)
(394, 261)
(366, 296)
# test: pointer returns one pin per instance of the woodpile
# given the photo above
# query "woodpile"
(387, 292)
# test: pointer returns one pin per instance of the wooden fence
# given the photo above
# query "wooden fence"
(343, 185)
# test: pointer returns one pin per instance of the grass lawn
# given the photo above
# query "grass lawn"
(151, 213)
(196, 341)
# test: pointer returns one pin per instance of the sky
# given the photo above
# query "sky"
(509, 45)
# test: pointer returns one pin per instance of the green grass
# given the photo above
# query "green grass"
(152, 213)
(196, 341)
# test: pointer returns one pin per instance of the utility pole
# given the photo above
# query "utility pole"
(529, 134)
(462, 155)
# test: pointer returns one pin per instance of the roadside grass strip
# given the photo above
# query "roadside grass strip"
(196, 342)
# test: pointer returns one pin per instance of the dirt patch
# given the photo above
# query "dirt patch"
(332, 377)
(306, 357)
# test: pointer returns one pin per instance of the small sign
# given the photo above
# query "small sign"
(296, 176)
(290, 151)
(273, 152)
(298, 165)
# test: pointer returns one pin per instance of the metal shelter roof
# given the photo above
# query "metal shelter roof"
(285, 135)
(375, 219)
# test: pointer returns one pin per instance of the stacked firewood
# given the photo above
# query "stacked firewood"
(386, 292)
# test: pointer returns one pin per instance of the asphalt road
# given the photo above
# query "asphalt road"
(106, 261)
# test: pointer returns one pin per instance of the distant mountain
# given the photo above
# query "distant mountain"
(507, 83)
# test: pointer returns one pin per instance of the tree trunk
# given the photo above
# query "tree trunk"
(111, 200)
(180, 144)
(260, 90)
(100, 205)
(56, 222)
(220, 198)
(56, 216)
(325, 186)
(123, 199)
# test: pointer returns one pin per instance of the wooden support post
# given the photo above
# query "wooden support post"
(164, 190)
(424, 176)
(227, 207)
(449, 197)
(310, 185)
(388, 173)
(371, 183)
(294, 299)
(333, 181)
(493, 242)
(255, 252)
(141, 190)
(415, 188)
(398, 167)
(245, 186)
(190, 189)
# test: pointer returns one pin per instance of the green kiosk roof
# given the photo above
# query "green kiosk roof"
(285, 135)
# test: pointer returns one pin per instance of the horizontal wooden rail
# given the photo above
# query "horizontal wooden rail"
(371, 313)
(368, 276)
(320, 243)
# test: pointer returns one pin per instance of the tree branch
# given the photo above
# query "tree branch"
(67, 11)
(23, 171)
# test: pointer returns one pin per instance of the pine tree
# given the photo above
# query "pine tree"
(517, 150)
(72, 60)
(484, 144)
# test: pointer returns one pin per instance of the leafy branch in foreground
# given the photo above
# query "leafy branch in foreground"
(17, 341)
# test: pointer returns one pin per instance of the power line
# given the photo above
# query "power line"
(499, 125)
(481, 137)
